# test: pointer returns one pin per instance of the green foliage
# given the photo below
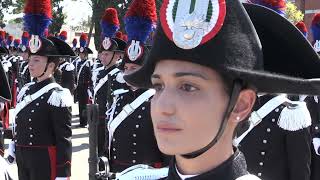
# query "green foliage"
(293, 14)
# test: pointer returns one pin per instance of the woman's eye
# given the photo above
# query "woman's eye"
(157, 87)
(188, 88)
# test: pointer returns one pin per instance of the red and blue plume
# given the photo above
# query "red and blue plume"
(83, 40)
(9, 40)
(37, 16)
(277, 5)
(74, 42)
(63, 35)
(140, 19)
(119, 35)
(109, 23)
(25, 39)
(2, 36)
(315, 27)
(16, 43)
(303, 28)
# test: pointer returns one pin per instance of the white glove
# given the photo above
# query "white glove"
(62, 178)
(89, 93)
(142, 171)
(11, 155)
(316, 144)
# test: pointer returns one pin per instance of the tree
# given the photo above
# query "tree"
(4, 6)
(293, 14)
(98, 7)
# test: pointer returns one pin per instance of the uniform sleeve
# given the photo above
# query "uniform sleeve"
(299, 154)
(61, 117)
(68, 80)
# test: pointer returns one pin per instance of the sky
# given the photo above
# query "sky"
(75, 11)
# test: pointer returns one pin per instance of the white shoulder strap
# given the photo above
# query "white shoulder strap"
(63, 65)
(248, 177)
(257, 116)
(104, 80)
(127, 110)
(30, 98)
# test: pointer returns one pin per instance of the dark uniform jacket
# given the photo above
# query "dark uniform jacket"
(231, 169)
(66, 76)
(46, 122)
(314, 108)
(84, 81)
(273, 153)
(133, 141)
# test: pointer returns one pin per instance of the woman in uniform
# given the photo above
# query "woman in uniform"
(206, 65)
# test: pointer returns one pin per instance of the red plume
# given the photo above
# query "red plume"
(302, 27)
(64, 33)
(25, 34)
(143, 8)
(10, 38)
(119, 35)
(316, 19)
(111, 16)
(2, 34)
(41, 7)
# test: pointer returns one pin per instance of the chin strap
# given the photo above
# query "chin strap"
(45, 70)
(114, 53)
(237, 86)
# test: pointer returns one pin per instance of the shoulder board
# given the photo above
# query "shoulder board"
(295, 116)
(248, 177)
(119, 91)
(61, 97)
(70, 67)
(23, 91)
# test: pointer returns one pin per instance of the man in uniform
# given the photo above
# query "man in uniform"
(84, 82)
(65, 75)
(273, 146)
(111, 50)
(131, 139)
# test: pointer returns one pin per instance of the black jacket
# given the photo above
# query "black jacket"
(231, 169)
(47, 122)
(273, 153)
(134, 141)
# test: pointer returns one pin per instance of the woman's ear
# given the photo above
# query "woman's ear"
(52, 66)
(244, 105)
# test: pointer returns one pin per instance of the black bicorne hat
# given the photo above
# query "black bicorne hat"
(284, 63)
(5, 93)
(113, 44)
(64, 50)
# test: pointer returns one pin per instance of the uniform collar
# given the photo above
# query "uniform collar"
(231, 169)
(38, 85)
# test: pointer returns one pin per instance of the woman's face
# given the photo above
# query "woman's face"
(106, 57)
(37, 65)
(188, 106)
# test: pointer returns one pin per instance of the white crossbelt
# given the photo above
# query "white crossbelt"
(104, 80)
(257, 116)
(142, 172)
(127, 110)
(63, 65)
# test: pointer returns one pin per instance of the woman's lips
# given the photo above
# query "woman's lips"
(167, 128)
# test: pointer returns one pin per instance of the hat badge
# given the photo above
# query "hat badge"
(316, 46)
(135, 50)
(35, 43)
(106, 43)
(23, 48)
(190, 23)
(81, 49)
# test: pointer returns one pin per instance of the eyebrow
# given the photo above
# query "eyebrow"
(182, 74)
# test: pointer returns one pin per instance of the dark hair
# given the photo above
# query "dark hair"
(55, 60)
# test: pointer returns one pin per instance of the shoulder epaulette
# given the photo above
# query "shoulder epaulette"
(61, 97)
(70, 67)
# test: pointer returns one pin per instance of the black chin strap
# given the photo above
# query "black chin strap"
(45, 70)
(237, 86)
(114, 53)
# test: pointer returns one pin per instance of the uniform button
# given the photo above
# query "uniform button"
(42, 97)
(134, 135)
(116, 112)
(264, 141)
(137, 126)
(30, 128)
(15, 133)
(111, 84)
(273, 120)
(143, 108)
(261, 163)
(134, 144)
(114, 149)
(277, 110)
(133, 161)
(263, 153)
(30, 143)
(134, 152)
(113, 140)
(268, 130)
(316, 128)
(15, 141)
(37, 104)
(118, 104)
(121, 97)
(31, 135)
(16, 117)
(32, 111)
(114, 157)
(30, 120)
(139, 116)
(259, 174)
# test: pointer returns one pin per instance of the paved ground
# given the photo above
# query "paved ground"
(80, 150)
